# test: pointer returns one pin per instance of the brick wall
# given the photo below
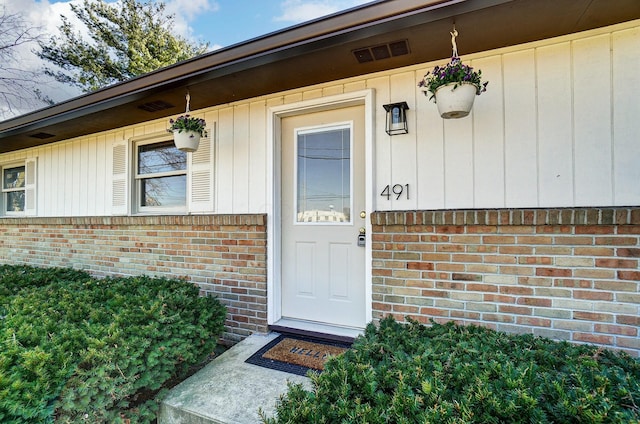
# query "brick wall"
(225, 255)
(568, 274)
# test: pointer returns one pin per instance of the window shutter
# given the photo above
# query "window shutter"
(119, 184)
(30, 179)
(201, 174)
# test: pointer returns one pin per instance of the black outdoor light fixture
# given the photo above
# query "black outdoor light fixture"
(396, 118)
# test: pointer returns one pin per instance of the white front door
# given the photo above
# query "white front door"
(323, 212)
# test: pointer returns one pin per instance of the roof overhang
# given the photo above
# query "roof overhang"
(315, 52)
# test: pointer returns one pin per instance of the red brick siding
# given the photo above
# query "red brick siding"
(568, 274)
(224, 255)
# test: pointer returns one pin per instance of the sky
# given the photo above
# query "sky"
(221, 23)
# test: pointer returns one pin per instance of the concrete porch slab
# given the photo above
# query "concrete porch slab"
(228, 390)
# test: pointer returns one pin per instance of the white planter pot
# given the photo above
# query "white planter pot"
(455, 102)
(187, 141)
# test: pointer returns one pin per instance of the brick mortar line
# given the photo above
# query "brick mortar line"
(505, 217)
(384, 264)
(516, 296)
(160, 221)
(552, 320)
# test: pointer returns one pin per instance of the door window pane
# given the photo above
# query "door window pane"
(324, 175)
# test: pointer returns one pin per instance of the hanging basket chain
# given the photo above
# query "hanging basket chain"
(454, 45)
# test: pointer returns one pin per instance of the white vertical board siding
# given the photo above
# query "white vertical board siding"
(626, 114)
(225, 162)
(488, 138)
(101, 196)
(46, 196)
(77, 178)
(558, 127)
(382, 156)
(73, 178)
(85, 175)
(403, 147)
(241, 152)
(258, 157)
(55, 205)
(592, 121)
(521, 153)
(555, 121)
(429, 152)
(458, 163)
(67, 178)
(91, 181)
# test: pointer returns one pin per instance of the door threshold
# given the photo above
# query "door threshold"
(316, 329)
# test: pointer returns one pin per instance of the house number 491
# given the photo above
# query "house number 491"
(396, 190)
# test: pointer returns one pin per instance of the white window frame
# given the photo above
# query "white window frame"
(137, 182)
(4, 190)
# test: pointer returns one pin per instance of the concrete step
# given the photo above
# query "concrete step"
(228, 390)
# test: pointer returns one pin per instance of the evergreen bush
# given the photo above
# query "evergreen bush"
(77, 349)
(453, 374)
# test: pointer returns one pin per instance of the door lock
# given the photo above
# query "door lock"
(363, 214)
(362, 237)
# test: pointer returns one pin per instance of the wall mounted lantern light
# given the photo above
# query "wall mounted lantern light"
(396, 118)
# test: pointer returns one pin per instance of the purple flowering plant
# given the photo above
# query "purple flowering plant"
(453, 72)
(187, 123)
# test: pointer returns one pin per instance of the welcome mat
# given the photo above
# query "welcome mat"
(296, 354)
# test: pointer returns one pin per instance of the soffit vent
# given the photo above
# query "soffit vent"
(41, 135)
(382, 51)
(156, 106)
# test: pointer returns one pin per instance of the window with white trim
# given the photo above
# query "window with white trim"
(160, 177)
(13, 189)
(150, 176)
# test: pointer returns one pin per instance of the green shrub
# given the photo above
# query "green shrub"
(77, 349)
(14, 278)
(465, 374)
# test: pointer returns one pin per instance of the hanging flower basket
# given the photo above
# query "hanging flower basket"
(453, 87)
(187, 131)
(455, 100)
(187, 141)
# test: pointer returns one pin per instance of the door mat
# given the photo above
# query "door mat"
(296, 354)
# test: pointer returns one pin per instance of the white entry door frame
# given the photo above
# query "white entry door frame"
(274, 136)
